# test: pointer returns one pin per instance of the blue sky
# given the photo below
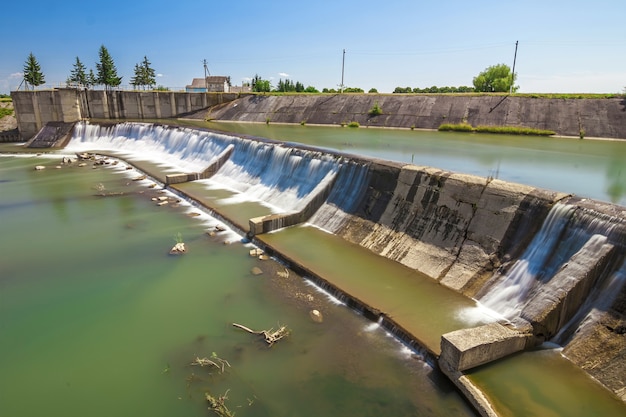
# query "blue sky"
(564, 46)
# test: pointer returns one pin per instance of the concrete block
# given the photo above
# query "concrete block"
(468, 348)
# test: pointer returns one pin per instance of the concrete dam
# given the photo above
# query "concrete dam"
(551, 265)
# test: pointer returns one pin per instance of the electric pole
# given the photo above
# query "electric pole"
(206, 74)
(513, 72)
(343, 63)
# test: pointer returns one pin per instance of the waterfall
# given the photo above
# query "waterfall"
(564, 232)
(180, 149)
(349, 188)
(283, 178)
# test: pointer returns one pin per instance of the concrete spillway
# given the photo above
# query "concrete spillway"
(471, 234)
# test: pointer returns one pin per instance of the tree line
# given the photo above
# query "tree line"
(496, 78)
(106, 73)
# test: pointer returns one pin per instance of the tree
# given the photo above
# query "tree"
(107, 73)
(144, 74)
(91, 79)
(373, 91)
(496, 78)
(78, 76)
(32, 72)
(259, 85)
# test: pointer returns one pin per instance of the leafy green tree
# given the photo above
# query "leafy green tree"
(311, 89)
(496, 78)
(259, 85)
(32, 72)
(107, 73)
(373, 91)
(78, 76)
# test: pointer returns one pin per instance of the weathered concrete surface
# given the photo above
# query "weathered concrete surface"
(596, 117)
(53, 134)
(33, 109)
(568, 289)
(468, 348)
(451, 227)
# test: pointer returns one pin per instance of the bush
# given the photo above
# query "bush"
(5, 112)
(353, 124)
(459, 127)
(376, 110)
(506, 130)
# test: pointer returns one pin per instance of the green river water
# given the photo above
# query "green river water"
(97, 319)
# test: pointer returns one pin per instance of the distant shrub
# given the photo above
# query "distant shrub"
(458, 127)
(5, 112)
(376, 110)
(506, 130)
(353, 124)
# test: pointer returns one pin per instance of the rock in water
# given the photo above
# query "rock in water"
(178, 249)
(316, 316)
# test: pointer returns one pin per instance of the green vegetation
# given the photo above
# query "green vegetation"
(79, 77)
(5, 98)
(5, 112)
(375, 110)
(107, 73)
(507, 130)
(32, 72)
(433, 90)
(144, 75)
(353, 124)
(496, 78)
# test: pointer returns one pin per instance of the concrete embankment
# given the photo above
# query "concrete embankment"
(592, 117)
(603, 118)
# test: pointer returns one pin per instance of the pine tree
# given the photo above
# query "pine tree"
(78, 76)
(32, 72)
(91, 79)
(144, 75)
(107, 73)
(149, 76)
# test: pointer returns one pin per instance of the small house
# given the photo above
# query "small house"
(211, 84)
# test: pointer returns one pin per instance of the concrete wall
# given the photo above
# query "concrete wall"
(33, 109)
(605, 118)
(452, 227)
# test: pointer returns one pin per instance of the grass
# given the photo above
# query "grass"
(506, 130)
(5, 112)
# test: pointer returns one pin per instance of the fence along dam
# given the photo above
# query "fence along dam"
(542, 265)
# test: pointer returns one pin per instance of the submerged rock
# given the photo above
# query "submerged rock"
(316, 316)
(178, 249)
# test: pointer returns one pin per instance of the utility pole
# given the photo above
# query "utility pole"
(513, 72)
(343, 63)
(206, 74)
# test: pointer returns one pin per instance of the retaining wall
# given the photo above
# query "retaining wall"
(604, 118)
(33, 109)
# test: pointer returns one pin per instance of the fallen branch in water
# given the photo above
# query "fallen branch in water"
(219, 405)
(270, 336)
(216, 362)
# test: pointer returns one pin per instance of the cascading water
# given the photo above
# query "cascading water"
(282, 178)
(564, 232)
(344, 198)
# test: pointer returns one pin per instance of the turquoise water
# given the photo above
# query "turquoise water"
(97, 319)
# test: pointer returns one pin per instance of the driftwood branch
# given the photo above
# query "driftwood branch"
(270, 336)
(218, 405)
(216, 362)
